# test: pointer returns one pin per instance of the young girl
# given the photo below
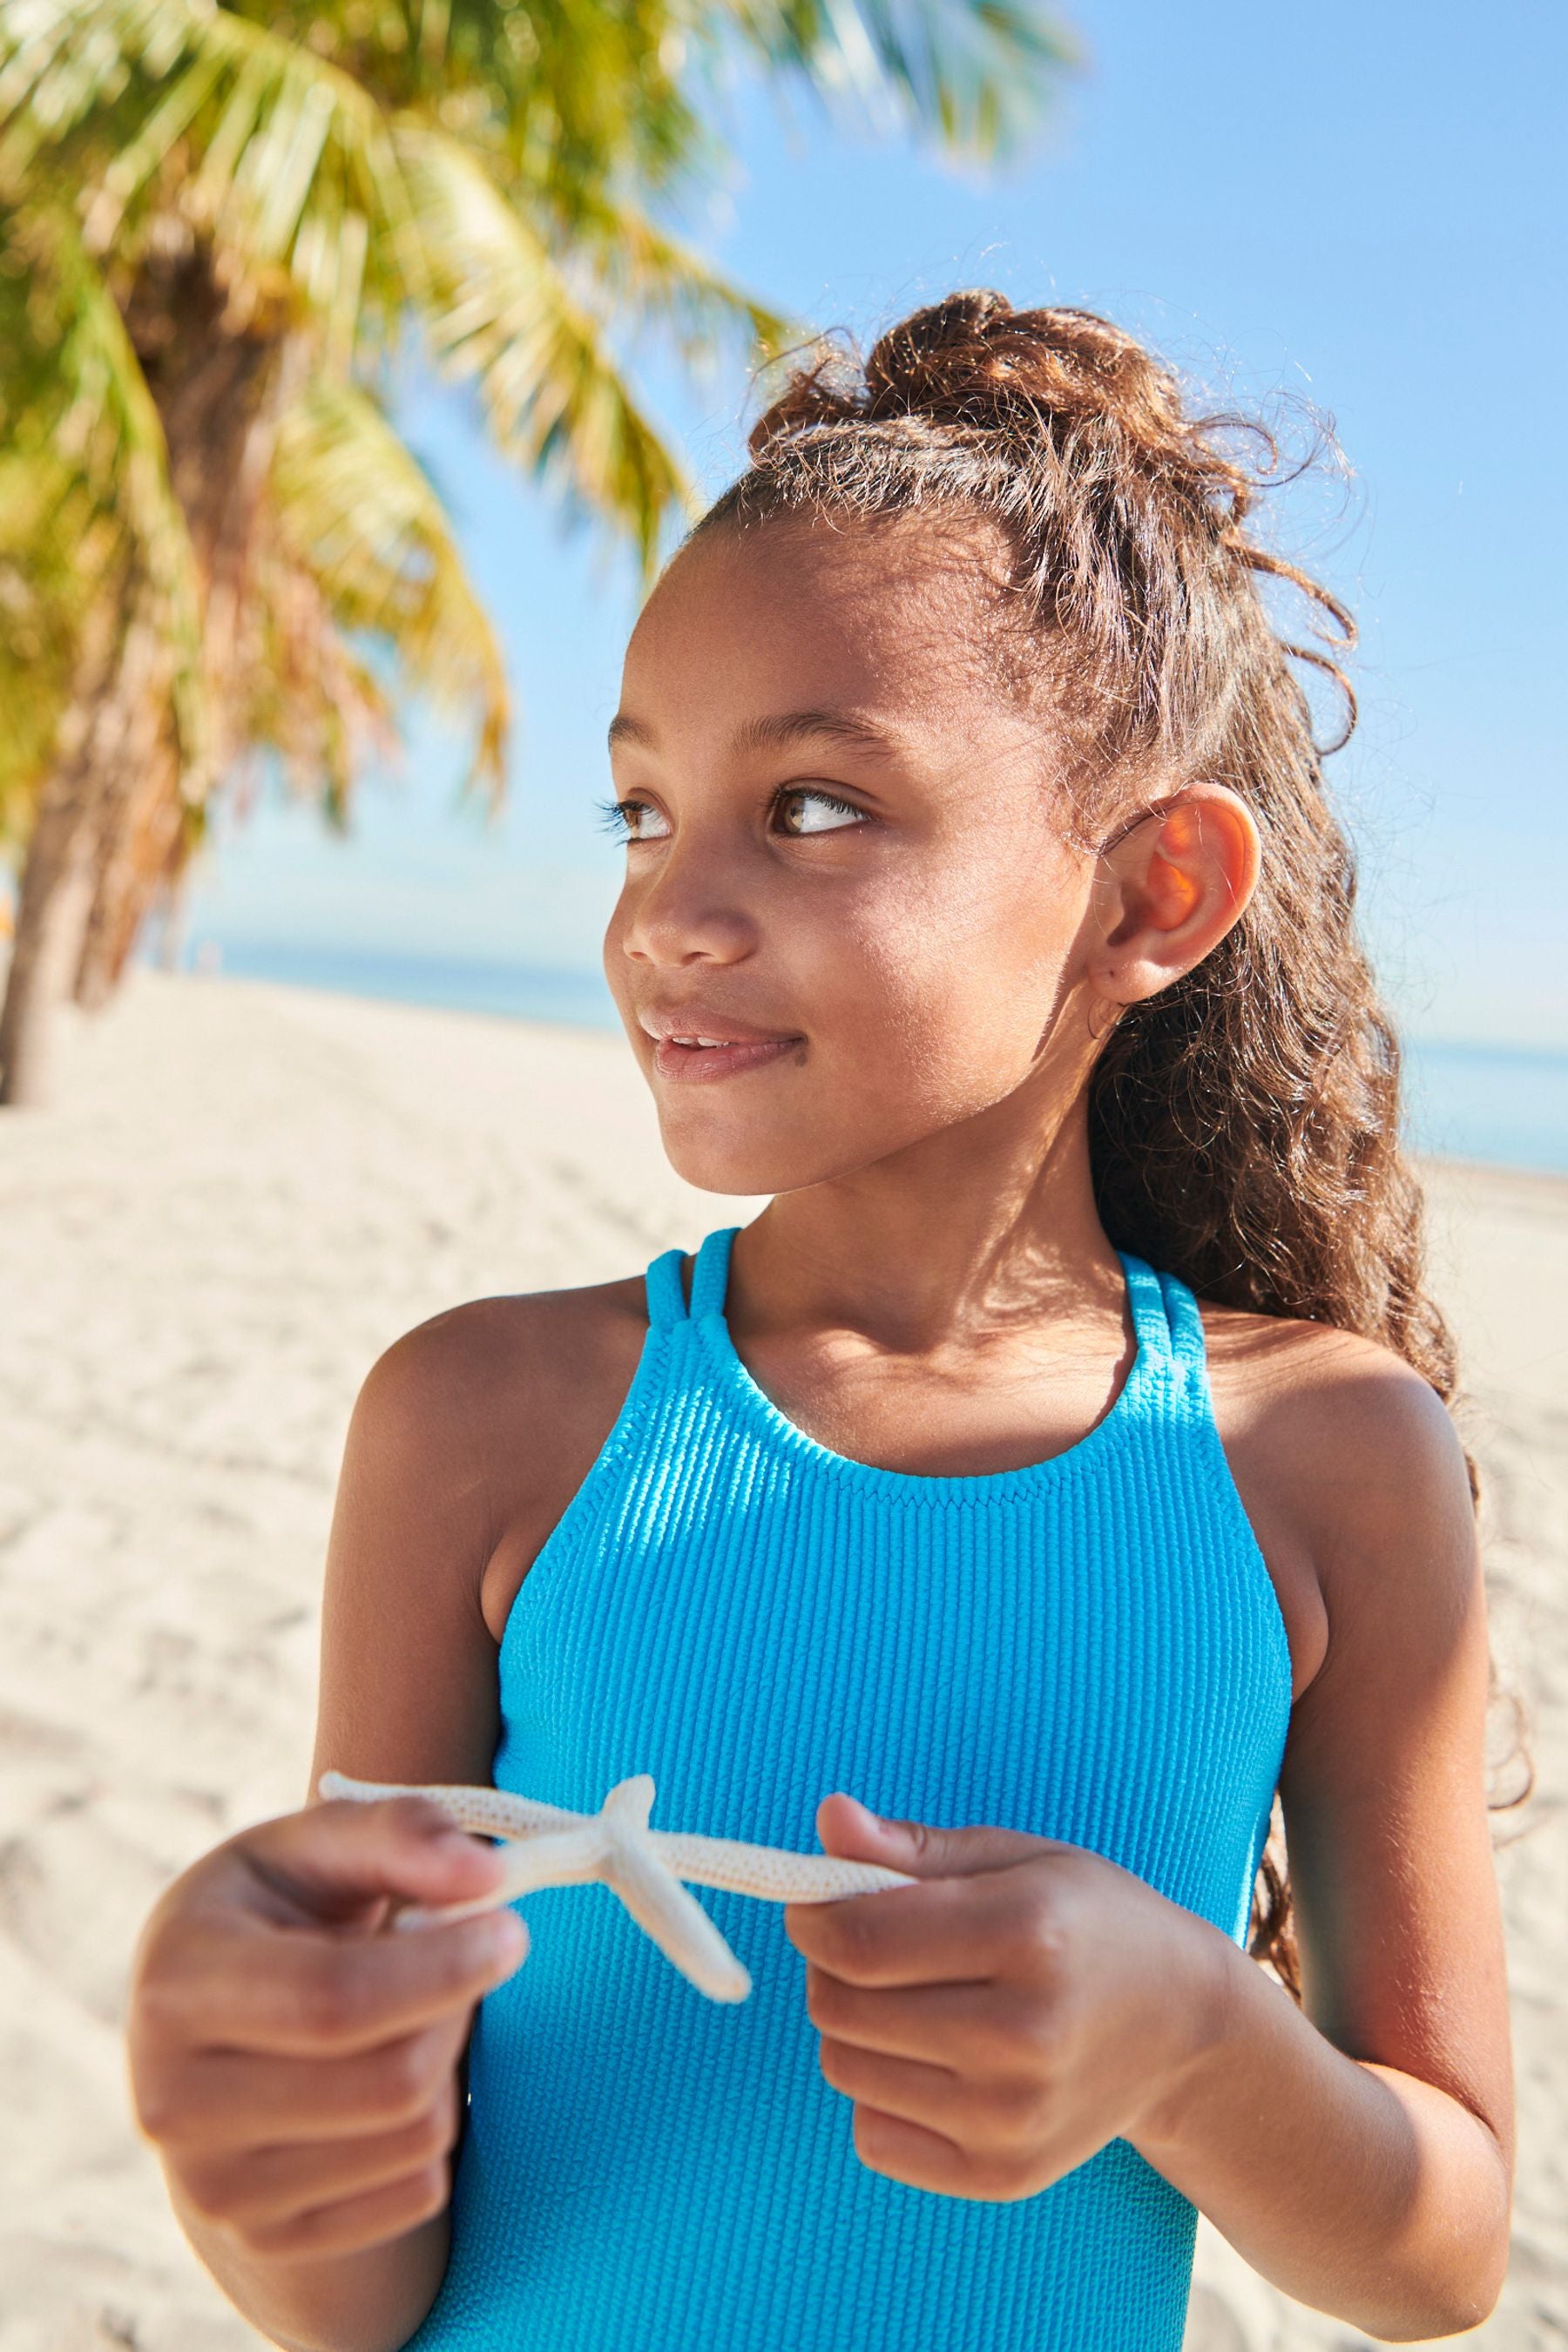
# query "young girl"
(1058, 1466)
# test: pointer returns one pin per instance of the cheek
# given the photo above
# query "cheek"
(946, 991)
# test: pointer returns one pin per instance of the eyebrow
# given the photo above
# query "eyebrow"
(775, 733)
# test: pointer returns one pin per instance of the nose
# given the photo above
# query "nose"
(684, 911)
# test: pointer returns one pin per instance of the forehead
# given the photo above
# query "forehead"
(893, 614)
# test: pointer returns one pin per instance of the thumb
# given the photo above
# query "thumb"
(851, 1831)
(338, 1860)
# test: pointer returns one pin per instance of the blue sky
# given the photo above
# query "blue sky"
(1362, 204)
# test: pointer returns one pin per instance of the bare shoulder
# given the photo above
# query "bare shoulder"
(466, 1440)
(471, 1366)
(1317, 1387)
(522, 1391)
(1350, 1466)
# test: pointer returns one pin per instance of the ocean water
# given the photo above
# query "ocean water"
(1507, 1105)
(1504, 1105)
(522, 991)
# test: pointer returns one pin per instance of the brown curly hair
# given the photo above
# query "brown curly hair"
(1245, 1123)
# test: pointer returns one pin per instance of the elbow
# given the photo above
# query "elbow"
(1430, 2322)
(1483, 2299)
(1433, 2308)
(1472, 2299)
(1467, 2305)
(1458, 2319)
(1483, 2290)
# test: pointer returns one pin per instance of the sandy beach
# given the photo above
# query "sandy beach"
(241, 1193)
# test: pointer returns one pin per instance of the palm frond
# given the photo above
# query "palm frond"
(88, 458)
(357, 512)
(974, 73)
(500, 310)
(645, 272)
(284, 161)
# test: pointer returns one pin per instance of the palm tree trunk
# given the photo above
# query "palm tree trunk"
(51, 909)
(219, 394)
(57, 875)
(138, 822)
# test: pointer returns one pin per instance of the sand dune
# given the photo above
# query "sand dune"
(242, 1193)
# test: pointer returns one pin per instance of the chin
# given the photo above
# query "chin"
(712, 1166)
(758, 1167)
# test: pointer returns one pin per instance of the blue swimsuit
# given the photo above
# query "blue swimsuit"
(1089, 1648)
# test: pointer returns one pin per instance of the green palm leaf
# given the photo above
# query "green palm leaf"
(974, 75)
(650, 273)
(85, 495)
(502, 309)
(285, 162)
(357, 512)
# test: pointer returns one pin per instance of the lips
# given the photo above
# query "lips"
(726, 1059)
(691, 1026)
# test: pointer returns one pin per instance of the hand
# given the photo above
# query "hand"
(295, 2070)
(998, 2024)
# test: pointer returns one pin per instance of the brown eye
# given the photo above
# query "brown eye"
(823, 799)
(619, 818)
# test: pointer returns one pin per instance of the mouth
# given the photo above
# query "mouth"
(695, 1054)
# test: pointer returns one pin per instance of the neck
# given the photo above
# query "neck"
(971, 1234)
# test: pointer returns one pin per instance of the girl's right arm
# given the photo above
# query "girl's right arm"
(298, 2075)
(297, 2071)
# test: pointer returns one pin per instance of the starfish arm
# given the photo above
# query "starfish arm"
(772, 1872)
(677, 1922)
(490, 1813)
(775, 1873)
(630, 1803)
(557, 1858)
(551, 1858)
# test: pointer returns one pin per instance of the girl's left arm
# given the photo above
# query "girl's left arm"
(1029, 2001)
(1360, 2152)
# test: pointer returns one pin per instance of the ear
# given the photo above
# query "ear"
(1168, 888)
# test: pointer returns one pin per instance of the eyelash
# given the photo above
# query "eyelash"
(614, 814)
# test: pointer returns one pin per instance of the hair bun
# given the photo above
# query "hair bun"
(973, 359)
(946, 361)
(972, 362)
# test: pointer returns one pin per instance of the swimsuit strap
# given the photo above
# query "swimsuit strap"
(1146, 1300)
(1164, 1312)
(666, 1296)
(710, 1274)
(666, 1300)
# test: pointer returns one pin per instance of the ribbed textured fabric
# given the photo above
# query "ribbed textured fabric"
(1089, 1648)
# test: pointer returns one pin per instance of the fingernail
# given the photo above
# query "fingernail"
(506, 1936)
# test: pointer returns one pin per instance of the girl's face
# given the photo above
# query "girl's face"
(842, 832)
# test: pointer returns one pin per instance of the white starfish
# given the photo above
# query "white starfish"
(553, 1847)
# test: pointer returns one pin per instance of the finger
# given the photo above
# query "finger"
(334, 1858)
(946, 1931)
(233, 2099)
(906, 2151)
(850, 1828)
(351, 2225)
(269, 2184)
(310, 1992)
(974, 2026)
(936, 2097)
